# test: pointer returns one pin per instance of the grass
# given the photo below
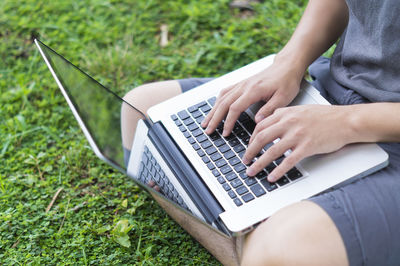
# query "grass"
(99, 211)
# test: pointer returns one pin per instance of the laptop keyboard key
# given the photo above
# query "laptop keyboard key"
(233, 161)
(210, 166)
(201, 153)
(294, 174)
(244, 117)
(182, 128)
(268, 186)
(242, 135)
(192, 127)
(250, 125)
(238, 148)
(283, 181)
(229, 155)
(262, 175)
(206, 144)
(196, 146)
(224, 148)
(188, 121)
(219, 142)
(238, 202)
(226, 169)
(241, 190)
(201, 104)
(183, 114)
(240, 167)
(214, 136)
(191, 140)
(236, 183)
(198, 132)
(197, 114)
(216, 173)
(220, 163)
(233, 142)
(199, 119)
(201, 138)
(192, 108)
(231, 176)
(221, 180)
(243, 175)
(250, 181)
(215, 157)
(205, 159)
(270, 167)
(232, 194)
(247, 197)
(257, 190)
(226, 187)
(206, 109)
(211, 150)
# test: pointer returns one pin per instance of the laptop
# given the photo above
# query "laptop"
(203, 174)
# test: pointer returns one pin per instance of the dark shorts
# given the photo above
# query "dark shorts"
(367, 212)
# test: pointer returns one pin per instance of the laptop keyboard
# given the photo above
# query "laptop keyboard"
(151, 170)
(222, 155)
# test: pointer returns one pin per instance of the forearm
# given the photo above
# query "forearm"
(375, 122)
(320, 26)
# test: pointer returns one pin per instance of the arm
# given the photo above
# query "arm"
(321, 25)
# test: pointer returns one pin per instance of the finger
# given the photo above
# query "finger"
(271, 154)
(221, 111)
(263, 125)
(262, 138)
(220, 98)
(234, 111)
(288, 163)
(277, 100)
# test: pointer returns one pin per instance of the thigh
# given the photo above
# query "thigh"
(367, 214)
(300, 234)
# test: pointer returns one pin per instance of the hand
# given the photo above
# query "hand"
(305, 130)
(277, 86)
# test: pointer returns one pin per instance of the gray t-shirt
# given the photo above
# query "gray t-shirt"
(367, 58)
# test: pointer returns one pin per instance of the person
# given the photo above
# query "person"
(356, 224)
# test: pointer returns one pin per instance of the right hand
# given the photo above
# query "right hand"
(277, 85)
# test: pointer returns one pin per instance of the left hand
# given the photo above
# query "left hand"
(305, 130)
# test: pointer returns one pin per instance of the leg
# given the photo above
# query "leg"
(300, 234)
(143, 97)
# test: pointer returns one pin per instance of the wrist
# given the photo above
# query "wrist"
(290, 64)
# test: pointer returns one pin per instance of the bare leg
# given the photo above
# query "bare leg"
(300, 234)
(143, 97)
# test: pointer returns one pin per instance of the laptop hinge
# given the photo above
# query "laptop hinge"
(188, 177)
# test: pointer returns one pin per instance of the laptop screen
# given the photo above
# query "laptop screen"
(98, 110)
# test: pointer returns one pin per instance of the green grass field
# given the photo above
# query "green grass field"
(99, 212)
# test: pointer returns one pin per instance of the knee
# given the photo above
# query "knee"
(300, 234)
(147, 95)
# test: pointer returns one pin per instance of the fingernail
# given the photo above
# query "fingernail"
(245, 160)
(250, 172)
(259, 118)
(271, 178)
(225, 133)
